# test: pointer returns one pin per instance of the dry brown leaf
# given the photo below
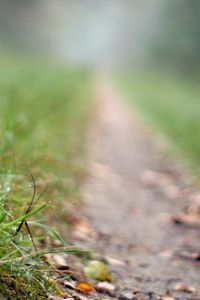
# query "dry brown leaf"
(168, 296)
(83, 231)
(69, 284)
(190, 255)
(166, 253)
(187, 220)
(163, 181)
(193, 207)
(184, 288)
(114, 261)
(60, 262)
(149, 178)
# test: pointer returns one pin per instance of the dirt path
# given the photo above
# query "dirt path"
(131, 193)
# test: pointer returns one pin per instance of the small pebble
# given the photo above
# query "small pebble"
(126, 296)
(105, 287)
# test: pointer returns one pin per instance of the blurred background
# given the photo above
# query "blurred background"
(96, 32)
(150, 48)
(87, 32)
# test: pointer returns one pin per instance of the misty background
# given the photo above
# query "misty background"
(105, 32)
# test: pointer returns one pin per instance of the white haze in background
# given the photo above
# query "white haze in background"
(104, 31)
(95, 32)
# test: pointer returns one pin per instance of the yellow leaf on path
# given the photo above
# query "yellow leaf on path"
(84, 287)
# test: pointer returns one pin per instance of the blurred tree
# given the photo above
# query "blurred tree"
(26, 25)
(15, 20)
(178, 40)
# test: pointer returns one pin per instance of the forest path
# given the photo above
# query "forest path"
(132, 191)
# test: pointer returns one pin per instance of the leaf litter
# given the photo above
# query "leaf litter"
(137, 211)
(141, 270)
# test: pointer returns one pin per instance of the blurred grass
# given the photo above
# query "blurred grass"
(172, 106)
(44, 113)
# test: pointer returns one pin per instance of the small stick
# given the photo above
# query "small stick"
(31, 236)
(32, 203)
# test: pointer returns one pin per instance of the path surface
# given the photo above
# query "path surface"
(131, 193)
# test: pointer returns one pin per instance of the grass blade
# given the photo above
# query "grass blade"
(22, 218)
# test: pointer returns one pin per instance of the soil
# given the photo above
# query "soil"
(133, 190)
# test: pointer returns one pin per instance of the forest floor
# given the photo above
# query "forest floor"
(137, 208)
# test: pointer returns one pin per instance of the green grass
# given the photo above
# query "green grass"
(44, 114)
(172, 106)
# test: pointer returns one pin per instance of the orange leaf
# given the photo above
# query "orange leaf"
(84, 287)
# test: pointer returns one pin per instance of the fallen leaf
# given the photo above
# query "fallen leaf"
(193, 207)
(105, 288)
(101, 170)
(84, 287)
(69, 284)
(163, 181)
(167, 296)
(114, 261)
(187, 220)
(190, 255)
(184, 288)
(166, 253)
(83, 231)
(150, 178)
(171, 191)
(98, 270)
(60, 262)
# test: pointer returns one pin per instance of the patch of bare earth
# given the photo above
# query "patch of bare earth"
(130, 198)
